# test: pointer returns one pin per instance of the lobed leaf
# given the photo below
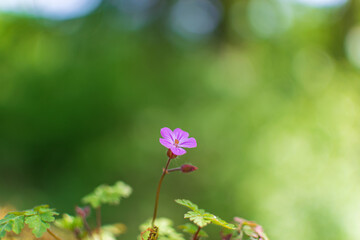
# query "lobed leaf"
(200, 217)
(105, 194)
(187, 203)
(11, 222)
(38, 220)
(38, 226)
(197, 218)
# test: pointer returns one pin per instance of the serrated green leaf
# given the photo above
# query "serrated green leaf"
(38, 226)
(197, 218)
(47, 215)
(192, 229)
(105, 194)
(200, 217)
(11, 222)
(18, 224)
(6, 226)
(218, 221)
(30, 212)
(187, 203)
(37, 219)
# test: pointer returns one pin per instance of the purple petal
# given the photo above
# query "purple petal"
(180, 134)
(166, 143)
(167, 134)
(188, 143)
(177, 151)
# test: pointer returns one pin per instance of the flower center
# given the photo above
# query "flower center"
(176, 142)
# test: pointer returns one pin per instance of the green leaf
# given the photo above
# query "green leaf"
(10, 223)
(105, 194)
(187, 203)
(38, 226)
(18, 224)
(5, 225)
(47, 214)
(200, 217)
(69, 222)
(37, 219)
(218, 221)
(192, 229)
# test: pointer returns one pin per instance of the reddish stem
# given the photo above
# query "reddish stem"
(53, 234)
(196, 234)
(98, 221)
(158, 191)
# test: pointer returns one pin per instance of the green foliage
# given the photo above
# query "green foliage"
(69, 222)
(191, 229)
(11, 222)
(105, 194)
(166, 230)
(108, 232)
(38, 219)
(200, 217)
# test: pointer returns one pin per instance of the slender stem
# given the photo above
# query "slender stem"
(77, 233)
(87, 227)
(53, 235)
(196, 234)
(98, 221)
(174, 169)
(158, 191)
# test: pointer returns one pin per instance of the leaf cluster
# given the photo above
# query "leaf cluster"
(38, 219)
(200, 217)
(105, 194)
(69, 222)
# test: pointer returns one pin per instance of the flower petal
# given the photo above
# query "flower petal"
(166, 143)
(177, 151)
(180, 134)
(167, 134)
(188, 143)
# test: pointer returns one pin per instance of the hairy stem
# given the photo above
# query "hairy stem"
(98, 221)
(53, 235)
(196, 234)
(158, 191)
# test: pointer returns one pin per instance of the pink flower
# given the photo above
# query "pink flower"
(176, 140)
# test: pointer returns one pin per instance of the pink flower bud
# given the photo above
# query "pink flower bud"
(186, 168)
(170, 154)
(82, 212)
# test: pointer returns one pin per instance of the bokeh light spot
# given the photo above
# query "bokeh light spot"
(197, 18)
(352, 46)
(268, 18)
(322, 3)
(52, 9)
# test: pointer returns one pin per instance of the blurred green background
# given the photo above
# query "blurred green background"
(269, 88)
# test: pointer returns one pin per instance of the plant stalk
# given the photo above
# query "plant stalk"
(53, 234)
(196, 234)
(158, 191)
(98, 221)
(87, 227)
